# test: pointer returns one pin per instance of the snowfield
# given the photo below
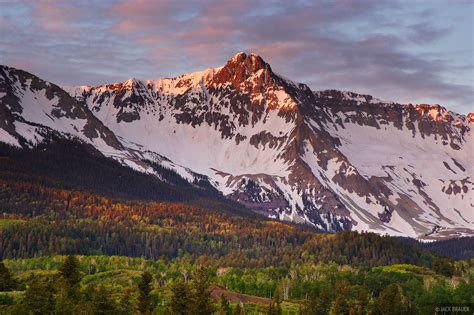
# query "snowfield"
(334, 160)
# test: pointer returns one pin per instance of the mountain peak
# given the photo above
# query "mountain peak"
(242, 67)
(470, 117)
(131, 83)
(251, 62)
(239, 56)
(328, 158)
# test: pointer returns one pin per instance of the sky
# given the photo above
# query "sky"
(417, 51)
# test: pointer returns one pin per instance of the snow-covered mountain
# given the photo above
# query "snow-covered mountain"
(334, 160)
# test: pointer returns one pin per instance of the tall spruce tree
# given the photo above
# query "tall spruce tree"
(392, 301)
(70, 279)
(103, 303)
(70, 271)
(39, 297)
(180, 303)
(144, 289)
(7, 281)
(202, 299)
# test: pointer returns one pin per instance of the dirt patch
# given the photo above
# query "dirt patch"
(237, 298)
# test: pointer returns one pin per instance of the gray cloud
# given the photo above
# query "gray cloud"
(386, 48)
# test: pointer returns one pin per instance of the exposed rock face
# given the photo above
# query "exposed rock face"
(332, 159)
(53, 107)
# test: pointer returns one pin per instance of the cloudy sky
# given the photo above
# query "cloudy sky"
(407, 51)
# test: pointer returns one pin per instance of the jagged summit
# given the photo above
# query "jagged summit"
(470, 117)
(238, 55)
(251, 62)
(131, 82)
(241, 67)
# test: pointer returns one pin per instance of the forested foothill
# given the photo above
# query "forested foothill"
(74, 244)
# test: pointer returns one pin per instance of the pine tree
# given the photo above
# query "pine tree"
(144, 289)
(180, 303)
(125, 306)
(202, 299)
(70, 271)
(39, 297)
(443, 266)
(225, 308)
(275, 307)
(340, 304)
(392, 301)
(7, 282)
(102, 302)
(64, 303)
(318, 304)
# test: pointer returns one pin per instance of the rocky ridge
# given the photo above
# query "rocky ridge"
(331, 159)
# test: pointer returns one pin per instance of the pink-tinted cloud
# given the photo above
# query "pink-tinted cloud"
(55, 15)
(397, 50)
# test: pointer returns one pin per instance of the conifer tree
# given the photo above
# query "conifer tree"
(125, 305)
(7, 281)
(277, 302)
(392, 301)
(102, 302)
(70, 271)
(225, 308)
(39, 297)
(180, 303)
(202, 299)
(71, 277)
(443, 266)
(144, 289)
(340, 305)
(65, 305)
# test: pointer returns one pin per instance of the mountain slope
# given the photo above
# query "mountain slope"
(334, 160)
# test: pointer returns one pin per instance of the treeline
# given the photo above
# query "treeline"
(69, 286)
(40, 221)
(72, 165)
(295, 280)
(62, 293)
(457, 248)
